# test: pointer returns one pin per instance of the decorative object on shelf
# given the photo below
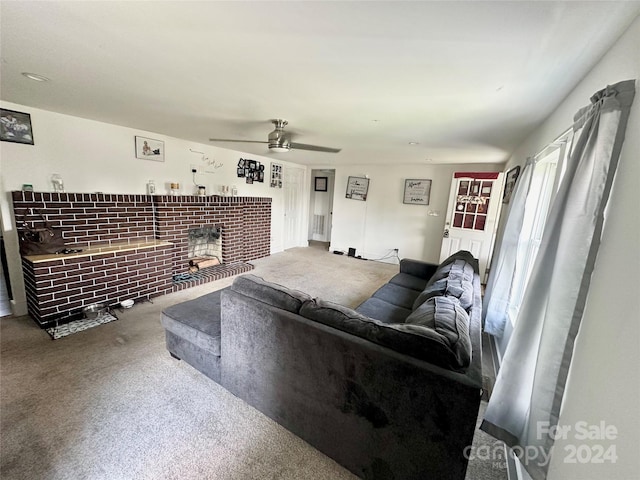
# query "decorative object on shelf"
(149, 149)
(234, 191)
(276, 175)
(417, 191)
(510, 182)
(175, 188)
(44, 240)
(151, 188)
(251, 170)
(27, 187)
(209, 165)
(58, 183)
(202, 190)
(320, 184)
(15, 127)
(357, 188)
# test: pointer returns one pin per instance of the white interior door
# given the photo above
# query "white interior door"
(475, 202)
(293, 179)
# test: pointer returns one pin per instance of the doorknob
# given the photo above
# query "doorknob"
(446, 233)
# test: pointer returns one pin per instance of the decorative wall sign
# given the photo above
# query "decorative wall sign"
(357, 188)
(251, 170)
(15, 127)
(149, 149)
(417, 191)
(320, 184)
(510, 183)
(276, 175)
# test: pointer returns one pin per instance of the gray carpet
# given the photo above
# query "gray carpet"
(110, 403)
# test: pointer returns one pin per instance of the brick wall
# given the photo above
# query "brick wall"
(57, 289)
(90, 219)
(245, 223)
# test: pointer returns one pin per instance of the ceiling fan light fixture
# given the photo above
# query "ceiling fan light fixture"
(279, 149)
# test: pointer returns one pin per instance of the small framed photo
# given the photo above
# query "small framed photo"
(357, 188)
(149, 149)
(417, 191)
(321, 184)
(240, 172)
(510, 183)
(15, 127)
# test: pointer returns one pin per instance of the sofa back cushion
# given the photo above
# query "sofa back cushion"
(448, 318)
(452, 285)
(429, 340)
(270, 293)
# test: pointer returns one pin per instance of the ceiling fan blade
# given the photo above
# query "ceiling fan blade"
(233, 140)
(313, 148)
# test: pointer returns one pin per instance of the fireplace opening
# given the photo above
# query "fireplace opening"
(204, 247)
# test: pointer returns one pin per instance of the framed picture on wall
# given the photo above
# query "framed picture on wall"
(357, 188)
(321, 184)
(149, 149)
(15, 127)
(417, 191)
(510, 183)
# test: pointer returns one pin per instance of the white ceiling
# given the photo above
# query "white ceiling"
(467, 80)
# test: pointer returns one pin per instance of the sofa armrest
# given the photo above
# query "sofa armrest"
(418, 268)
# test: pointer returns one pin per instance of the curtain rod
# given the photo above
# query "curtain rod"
(553, 143)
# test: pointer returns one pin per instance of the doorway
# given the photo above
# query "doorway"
(321, 206)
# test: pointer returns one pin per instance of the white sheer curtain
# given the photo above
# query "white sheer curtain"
(531, 381)
(498, 291)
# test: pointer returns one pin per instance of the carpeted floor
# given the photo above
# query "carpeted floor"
(110, 403)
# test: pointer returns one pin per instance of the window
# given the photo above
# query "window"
(547, 172)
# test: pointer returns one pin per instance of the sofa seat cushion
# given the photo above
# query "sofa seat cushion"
(397, 295)
(409, 281)
(416, 340)
(196, 321)
(383, 311)
(271, 293)
(446, 316)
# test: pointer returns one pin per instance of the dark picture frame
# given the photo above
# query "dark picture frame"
(320, 184)
(149, 149)
(510, 183)
(417, 191)
(357, 188)
(15, 127)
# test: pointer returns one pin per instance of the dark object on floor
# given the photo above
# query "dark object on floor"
(389, 390)
(352, 252)
(338, 252)
(79, 325)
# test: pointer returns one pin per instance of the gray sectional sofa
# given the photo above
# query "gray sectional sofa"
(390, 390)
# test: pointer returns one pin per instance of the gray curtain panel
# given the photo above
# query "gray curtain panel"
(498, 291)
(532, 377)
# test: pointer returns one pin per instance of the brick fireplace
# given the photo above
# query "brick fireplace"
(133, 246)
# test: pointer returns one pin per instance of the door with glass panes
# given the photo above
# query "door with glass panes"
(475, 202)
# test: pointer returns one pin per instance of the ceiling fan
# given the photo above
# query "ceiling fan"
(280, 141)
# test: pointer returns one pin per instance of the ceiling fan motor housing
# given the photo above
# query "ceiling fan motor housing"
(278, 139)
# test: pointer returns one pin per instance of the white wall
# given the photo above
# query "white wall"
(99, 157)
(383, 222)
(604, 383)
